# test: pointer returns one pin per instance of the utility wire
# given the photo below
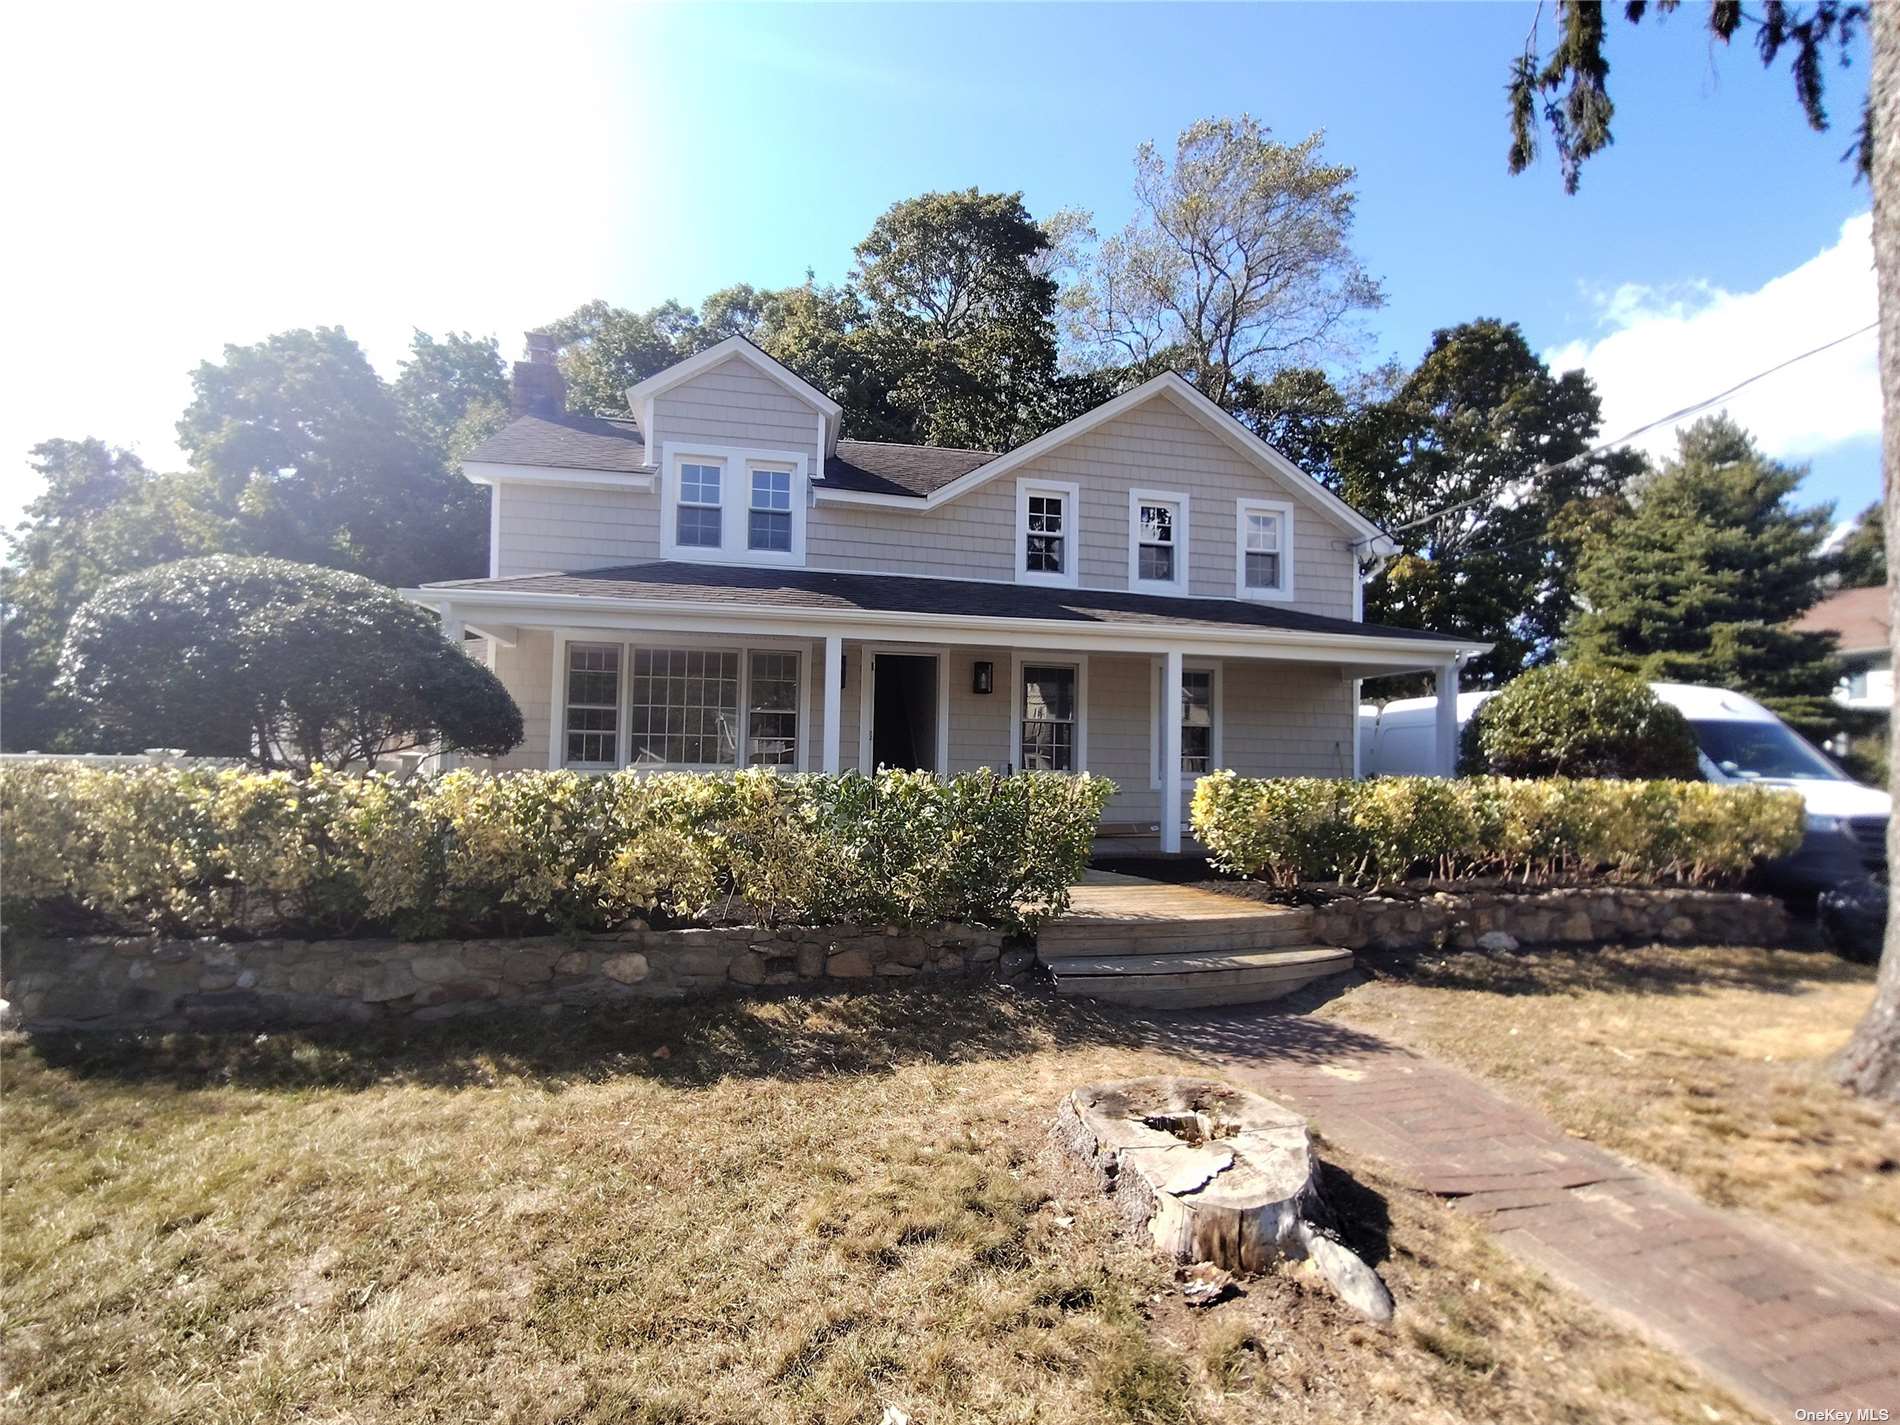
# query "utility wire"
(1624, 439)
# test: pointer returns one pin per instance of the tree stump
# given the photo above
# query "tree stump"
(1212, 1173)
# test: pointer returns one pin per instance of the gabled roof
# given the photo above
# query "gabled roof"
(1184, 395)
(570, 442)
(734, 347)
(1858, 616)
(826, 593)
(908, 471)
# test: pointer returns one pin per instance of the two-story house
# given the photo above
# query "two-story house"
(721, 578)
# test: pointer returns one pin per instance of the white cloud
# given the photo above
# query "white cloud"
(1665, 348)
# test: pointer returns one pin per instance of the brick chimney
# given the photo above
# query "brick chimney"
(538, 387)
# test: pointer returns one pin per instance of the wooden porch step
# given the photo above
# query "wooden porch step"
(1194, 981)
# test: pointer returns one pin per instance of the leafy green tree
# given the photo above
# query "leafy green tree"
(1482, 466)
(1862, 557)
(312, 454)
(101, 514)
(959, 315)
(454, 391)
(1237, 262)
(1698, 581)
(604, 349)
(285, 664)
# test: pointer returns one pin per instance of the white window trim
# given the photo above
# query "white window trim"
(735, 502)
(1071, 495)
(794, 493)
(744, 647)
(1215, 755)
(867, 697)
(620, 705)
(1284, 509)
(1179, 500)
(1018, 661)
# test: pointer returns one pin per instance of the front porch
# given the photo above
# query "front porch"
(661, 696)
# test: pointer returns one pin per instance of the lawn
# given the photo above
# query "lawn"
(1702, 1061)
(801, 1209)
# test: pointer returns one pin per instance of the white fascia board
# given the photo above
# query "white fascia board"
(484, 472)
(732, 346)
(1222, 425)
(536, 610)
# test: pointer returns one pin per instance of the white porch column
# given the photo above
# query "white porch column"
(1171, 751)
(834, 699)
(1445, 684)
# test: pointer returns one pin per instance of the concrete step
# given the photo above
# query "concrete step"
(1193, 980)
(1064, 940)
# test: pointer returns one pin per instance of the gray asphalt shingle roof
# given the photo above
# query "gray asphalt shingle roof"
(820, 590)
(570, 442)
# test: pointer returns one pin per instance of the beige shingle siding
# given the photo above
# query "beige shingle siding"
(733, 404)
(525, 671)
(550, 528)
(1157, 447)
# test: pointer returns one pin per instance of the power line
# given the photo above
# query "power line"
(1607, 446)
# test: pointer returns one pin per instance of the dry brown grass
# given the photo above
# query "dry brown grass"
(796, 1210)
(1702, 1061)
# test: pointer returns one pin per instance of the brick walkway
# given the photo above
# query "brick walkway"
(1782, 1329)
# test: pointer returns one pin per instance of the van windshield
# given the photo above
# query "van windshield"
(1770, 750)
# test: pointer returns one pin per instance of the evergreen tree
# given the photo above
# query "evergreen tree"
(1862, 557)
(1698, 581)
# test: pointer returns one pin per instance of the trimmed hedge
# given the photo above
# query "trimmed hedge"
(1577, 720)
(1288, 830)
(171, 850)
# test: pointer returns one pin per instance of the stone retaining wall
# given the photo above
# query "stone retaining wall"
(107, 983)
(1597, 914)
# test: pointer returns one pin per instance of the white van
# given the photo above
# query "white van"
(1738, 741)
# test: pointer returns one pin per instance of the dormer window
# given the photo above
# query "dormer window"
(1263, 552)
(733, 504)
(1046, 530)
(1157, 541)
(699, 523)
(769, 520)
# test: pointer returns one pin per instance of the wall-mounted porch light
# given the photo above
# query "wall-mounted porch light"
(982, 676)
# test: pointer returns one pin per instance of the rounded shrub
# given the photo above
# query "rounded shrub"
(1573, 720)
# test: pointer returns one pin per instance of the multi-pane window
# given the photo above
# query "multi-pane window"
(772, 715)
(699, 505)
(770, 516)
(593, 704)
(1155, 551)
(1263, 552)
(1046, 536)
(683, 707)
(1197, 720)
(1048, 719)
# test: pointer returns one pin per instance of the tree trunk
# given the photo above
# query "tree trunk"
(1870, 1063)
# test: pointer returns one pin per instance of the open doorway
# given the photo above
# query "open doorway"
(904, 711)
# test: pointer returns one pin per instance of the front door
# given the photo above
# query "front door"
(904, 711)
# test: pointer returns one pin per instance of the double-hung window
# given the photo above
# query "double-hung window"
(1046, 530)
(1264, 549)
(1048, 718)
(772, 725)
(699, 522)
(1157, 541)
(769, 518)
(593, 704)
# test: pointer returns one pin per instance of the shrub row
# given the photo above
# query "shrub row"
(185, 850)
(1288, 830)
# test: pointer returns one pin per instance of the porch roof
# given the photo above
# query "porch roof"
(829, 596)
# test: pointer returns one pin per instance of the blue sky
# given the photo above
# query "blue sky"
(215, 175)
